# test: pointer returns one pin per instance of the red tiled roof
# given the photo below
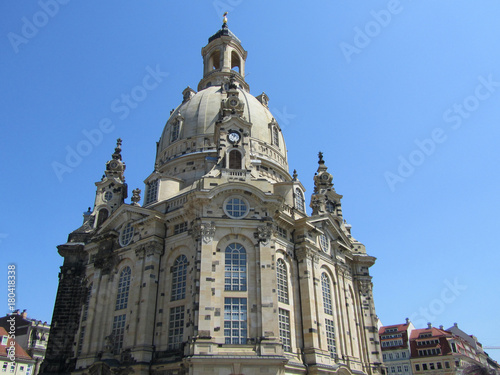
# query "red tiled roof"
(400, 328)
(20, 352)
(435, 332)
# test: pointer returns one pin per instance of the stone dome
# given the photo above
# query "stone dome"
(200, 127)
(201, 112)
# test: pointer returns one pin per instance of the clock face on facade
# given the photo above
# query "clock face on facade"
(233, 137)
(233, 102)
(113, 164)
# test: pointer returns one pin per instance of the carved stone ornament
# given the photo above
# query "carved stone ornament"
(264, 233)
(308, 254)
(204, 231)
(136, 196)
(365, 288)
(149, 249)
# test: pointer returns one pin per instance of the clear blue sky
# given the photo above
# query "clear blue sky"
(401, 96)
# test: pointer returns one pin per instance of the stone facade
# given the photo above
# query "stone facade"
(221, 271)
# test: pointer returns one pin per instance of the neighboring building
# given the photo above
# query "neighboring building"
(23, 364)
(221, 271)
(436, 351)
(395, 345)
(484, 358)
(32, 335)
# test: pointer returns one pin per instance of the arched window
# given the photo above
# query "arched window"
(235, 268)
(299, 200)
(329, 323)
(234, 159)
(179, 275)
(123, 289)
(276, 139)
(282, 276)
(102, 216)
(87, 303)
(235, 62)
(327, 293)
(215, 60)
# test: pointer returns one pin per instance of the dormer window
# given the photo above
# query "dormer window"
(4, 340)
(330, 207)
(151, 192)
(299, 200)
(174, 134)
(276, 139)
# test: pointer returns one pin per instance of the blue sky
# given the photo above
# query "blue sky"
(401, 96)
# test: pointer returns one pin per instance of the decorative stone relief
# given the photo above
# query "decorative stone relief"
(204, 231)
(149, 249)
(264, 233)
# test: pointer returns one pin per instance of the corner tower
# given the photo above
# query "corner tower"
(221, 271)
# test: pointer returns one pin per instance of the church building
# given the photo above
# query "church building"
(220, 270)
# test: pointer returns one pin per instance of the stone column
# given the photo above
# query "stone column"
(143, 319)
(306, 259)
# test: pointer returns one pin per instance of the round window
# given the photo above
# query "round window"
(325, 244)
(236, 208)
(127, 234)
(108, 196)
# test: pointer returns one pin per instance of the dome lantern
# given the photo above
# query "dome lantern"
(223, 57)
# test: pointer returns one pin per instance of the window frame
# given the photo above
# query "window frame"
(282, 281)
(123, 289)
(179, 278)
(230, 204)
(235, 268)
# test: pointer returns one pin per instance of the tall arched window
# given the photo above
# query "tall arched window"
(282, 276)
(329, 323)
(215, 60)
(299, 200)
(235, 268)
(327, 293)
(179, 275)
(234, 159)
(235, 61)
(123, 289)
